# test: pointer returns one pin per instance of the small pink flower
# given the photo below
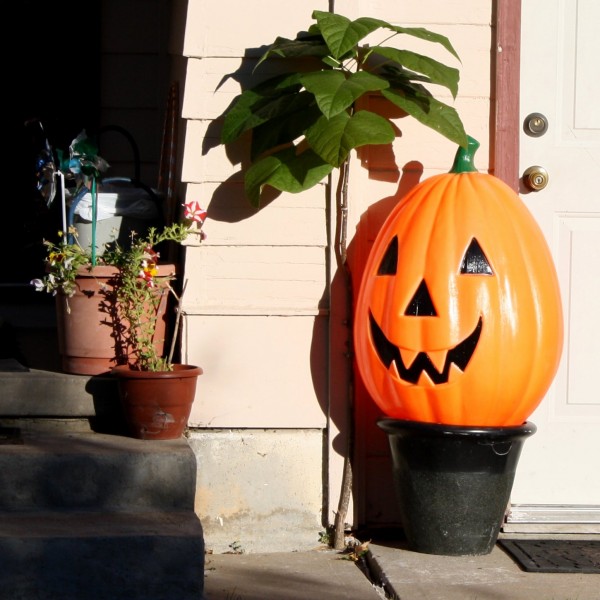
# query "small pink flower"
(149, 268)
(194, 212)
(147, 274)
(150, 254)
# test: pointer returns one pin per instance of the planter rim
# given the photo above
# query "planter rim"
(420, 428)
(111, 270)
(179, 371)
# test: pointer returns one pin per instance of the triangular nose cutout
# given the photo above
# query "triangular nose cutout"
(421, 304)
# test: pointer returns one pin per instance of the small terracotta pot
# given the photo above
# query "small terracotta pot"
(157, 405)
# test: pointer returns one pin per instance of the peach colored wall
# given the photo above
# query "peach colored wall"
(256, 302)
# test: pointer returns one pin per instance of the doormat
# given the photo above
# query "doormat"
(555, 556)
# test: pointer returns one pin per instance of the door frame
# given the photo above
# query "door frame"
(505, 91)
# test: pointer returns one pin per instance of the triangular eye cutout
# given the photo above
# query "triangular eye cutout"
(389, 262)
(474, 261)
(421, 304)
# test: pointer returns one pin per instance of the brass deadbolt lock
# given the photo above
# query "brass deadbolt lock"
(535, 178)
(535, 125)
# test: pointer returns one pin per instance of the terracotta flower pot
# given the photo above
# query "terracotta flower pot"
(90, 334)
(157, 405)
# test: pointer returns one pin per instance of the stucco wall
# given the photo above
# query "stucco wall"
(260, 316)
(259, 489)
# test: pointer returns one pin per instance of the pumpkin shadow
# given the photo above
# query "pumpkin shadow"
(356, 416)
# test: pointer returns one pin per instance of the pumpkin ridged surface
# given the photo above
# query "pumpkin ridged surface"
(519, 347)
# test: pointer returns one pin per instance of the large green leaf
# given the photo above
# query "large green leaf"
(337, 91)
(398, 76)
(328, 72)
(255, 106)
(436, 71)
(301, 47)
(332, 139)
(341, 34)
(429, 36)
(286, 171)
(286, 128)
(431, 112)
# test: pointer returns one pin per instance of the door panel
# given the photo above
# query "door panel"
(560, 465)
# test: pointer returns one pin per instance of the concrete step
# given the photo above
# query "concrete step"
(33, 398)
(87, 513)
(91, 516)
(101, 556)
(90, 471)
(34, 392)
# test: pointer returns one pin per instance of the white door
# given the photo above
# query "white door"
(558, 476)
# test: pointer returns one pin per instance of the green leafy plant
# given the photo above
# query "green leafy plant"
(325, 537)
(136, 288)
(306, 120)
(63, 260)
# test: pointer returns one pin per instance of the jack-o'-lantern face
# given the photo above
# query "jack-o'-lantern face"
(421, 305)
(458, 318)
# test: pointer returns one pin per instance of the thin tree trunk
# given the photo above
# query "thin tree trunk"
(342, 264)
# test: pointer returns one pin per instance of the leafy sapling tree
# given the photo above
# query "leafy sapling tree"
(305, 123)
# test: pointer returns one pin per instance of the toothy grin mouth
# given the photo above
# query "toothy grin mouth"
(460, 356)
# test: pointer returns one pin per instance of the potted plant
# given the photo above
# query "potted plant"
(78, 274)
(458, 335)
(304, 122)
(123, 298)
(156, 394)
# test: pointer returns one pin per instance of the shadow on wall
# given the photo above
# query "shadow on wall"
(367, 229)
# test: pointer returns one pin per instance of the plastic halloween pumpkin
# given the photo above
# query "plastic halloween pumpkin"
(458, 317)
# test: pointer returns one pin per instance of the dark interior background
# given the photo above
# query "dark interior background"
(56, 60)
(71, 66)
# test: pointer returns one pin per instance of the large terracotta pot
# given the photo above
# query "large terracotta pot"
(157, 405)
(90, 334)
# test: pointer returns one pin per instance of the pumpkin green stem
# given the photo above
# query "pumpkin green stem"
(464, 161)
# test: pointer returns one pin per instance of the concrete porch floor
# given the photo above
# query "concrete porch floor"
(398, 574)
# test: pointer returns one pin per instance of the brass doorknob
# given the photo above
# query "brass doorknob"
(535, 178)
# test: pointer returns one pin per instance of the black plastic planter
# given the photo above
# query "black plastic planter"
(453, 483)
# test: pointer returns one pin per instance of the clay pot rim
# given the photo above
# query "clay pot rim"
(179, 371)
(165, 270)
